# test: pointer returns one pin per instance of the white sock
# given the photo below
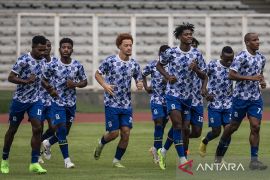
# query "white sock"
(163, 151)
(115, 160)
(183, 160)
(67, 160)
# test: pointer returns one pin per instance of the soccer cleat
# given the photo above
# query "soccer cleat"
(47, 149)
(98, 151)
(69, 165)
(253, 165)
(4, 166)
(153, 152)
(40, 160)
(161, 162)
(202, 149)
(36, 168)
(118, 165)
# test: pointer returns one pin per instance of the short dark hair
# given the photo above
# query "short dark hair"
(195, 41)
(179, 29)
(122, 37)
(65, 40)
(227, 49)
(38, 40)
(162, 49)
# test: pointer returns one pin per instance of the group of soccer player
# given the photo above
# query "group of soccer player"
(180, 79)
(46, 90)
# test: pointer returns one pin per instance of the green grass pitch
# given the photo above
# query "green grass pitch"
(138, 162)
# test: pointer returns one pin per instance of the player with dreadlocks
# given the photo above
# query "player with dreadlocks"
(185, 63)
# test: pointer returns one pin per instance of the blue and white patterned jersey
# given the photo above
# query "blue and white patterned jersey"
(157, 83)
(179, 63)
(45, 97)
(58, 73)
(24, 67)
(119, 73)
(248, 65)
(197, 99)
(219, 85)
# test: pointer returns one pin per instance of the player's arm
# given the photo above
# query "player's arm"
(107, 87)
(49, 88)
(14, 78)
(169, 78)
(147, 88)
(72, 85)
(204, 91)
(233, 75)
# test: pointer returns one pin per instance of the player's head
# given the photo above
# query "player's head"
(124, 42)
(66, 47)
(48, 47)
(184, 33)
(195, 43)
(252, 41)
(38, 47)
(227, 55)
(163, 48)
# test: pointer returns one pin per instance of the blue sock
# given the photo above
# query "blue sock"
(53, 140)
(254, 152)
(47, 134)
(178, 142)
(103, 142)
(158, 136)
(208, 137)
(35, 154)
(169, 140)
(62, 141)
(119, 153)
(5, 153)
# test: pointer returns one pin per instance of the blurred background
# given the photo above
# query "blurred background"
(94, 25)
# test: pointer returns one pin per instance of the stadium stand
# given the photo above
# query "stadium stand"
(113, 17)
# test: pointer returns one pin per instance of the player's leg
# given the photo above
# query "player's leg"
(255, 116)
(16, 115)
(125, 127)
(112, 130)
(186, 123)
(214, 121)
(35, 113)
(159, 124)
(48, 115)
(239, 109)
(196, 122)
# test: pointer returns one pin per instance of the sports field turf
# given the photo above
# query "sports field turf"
(137, 159)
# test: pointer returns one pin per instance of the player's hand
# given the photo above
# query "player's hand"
(259, 77)
(53, 93)
(171, 79)
(263, 84)
(210, 97)
(149, 90)
(108, 88)
(71, 84)
(139, 85)
(193, 66)
(164, 80)
(31, 79)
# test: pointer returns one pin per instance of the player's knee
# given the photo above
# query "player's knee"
(37, 130)
(177, 125)
(12, 130)
(255, 128)
(125, 135)
(216, 132)
(158, 122)
(197, 133)
(114, 134)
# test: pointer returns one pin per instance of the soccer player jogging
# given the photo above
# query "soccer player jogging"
(61, 78)
(183, 63)
(46, 98)
(220, 89)
(247, 70)
(26, 73)
(157, 101)
(118, 71)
